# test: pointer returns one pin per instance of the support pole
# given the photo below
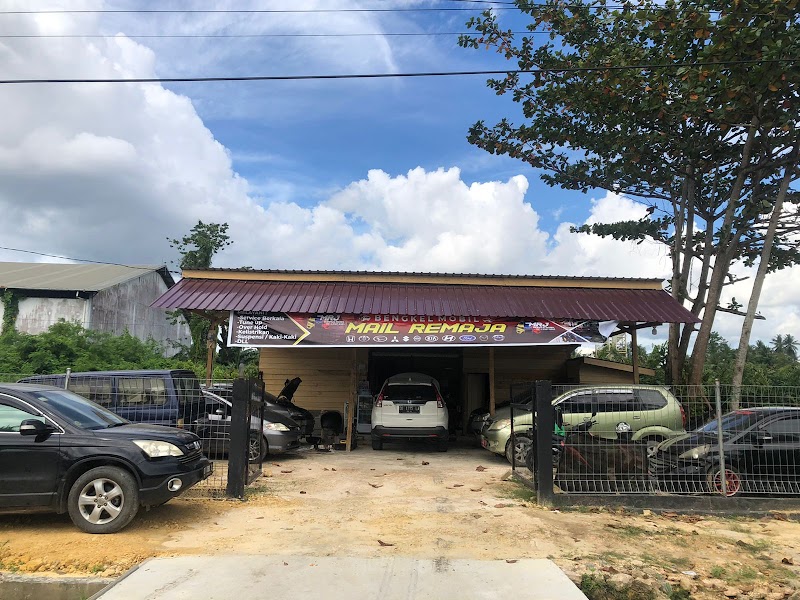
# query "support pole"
(635, 353)
(211, 346)
(491, 382)
(545, 424)
(720, 442)
(351, 399)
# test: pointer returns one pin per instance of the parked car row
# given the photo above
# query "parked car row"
(638, 432)
(652, 413)
(108, 443)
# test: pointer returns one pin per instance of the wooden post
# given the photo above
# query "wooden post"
(491, 381)
(351, 399)
(211, 345)
(635, 353)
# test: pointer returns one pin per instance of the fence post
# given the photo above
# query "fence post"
(545, 422)
(239, 433)
(720, 449)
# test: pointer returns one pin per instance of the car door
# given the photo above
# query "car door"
(776, 455)
(29, 466)
(216, 431)
(576, 408)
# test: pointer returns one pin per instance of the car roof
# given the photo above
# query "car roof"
(27, 387)
(133, 372)
(768, 410)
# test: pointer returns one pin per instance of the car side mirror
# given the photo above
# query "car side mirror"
(219, 411)
(34, 427)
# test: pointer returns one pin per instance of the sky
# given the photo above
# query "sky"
(349, 174)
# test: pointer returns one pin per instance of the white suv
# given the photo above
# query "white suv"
(410, 405)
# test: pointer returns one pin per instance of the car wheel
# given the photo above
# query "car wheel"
(441, 445)
(520, 445)
(103, 500)
(377, 444)
(734, 480)
(256, 448)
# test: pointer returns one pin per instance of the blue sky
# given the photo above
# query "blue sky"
(349, 174)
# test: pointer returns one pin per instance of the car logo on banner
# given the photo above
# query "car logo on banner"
(417, 338)
(351, 338)
(484, 338)
(431, 338)
(467, 338)
(498, 338)
(364, 338)
(448, 338)
(380, 338)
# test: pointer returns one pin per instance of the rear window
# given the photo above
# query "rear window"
(652, 399)
(187, 386)
(409, 392)
(148, 391)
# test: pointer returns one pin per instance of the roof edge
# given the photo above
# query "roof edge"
(424, 278)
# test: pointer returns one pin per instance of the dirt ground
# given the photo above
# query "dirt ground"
(413, 501)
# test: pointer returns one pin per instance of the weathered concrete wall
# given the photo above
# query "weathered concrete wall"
(127, 307)
(38, 314)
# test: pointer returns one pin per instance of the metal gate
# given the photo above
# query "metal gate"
(247, 444)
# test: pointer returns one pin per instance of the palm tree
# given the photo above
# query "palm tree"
(778, 344)
(790, 345)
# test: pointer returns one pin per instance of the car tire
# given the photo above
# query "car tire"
(103, 500)
(377, 444)
(441, 445)
(733, 476)
(257, 448)
(520, 445)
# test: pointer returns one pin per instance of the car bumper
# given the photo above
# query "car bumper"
(495, 440)
(438, 433)
(282, 441)
(160, 493)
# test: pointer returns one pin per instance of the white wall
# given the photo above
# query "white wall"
(37, 314)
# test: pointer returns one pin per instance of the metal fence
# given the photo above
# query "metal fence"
(652, 440)
(177, 399)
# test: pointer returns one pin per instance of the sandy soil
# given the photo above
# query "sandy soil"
(414, 502)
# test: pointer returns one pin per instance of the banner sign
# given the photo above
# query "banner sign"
(264, 330)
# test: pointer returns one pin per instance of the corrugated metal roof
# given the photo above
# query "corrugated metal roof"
(312, 273)
(638, 305)
(70, 277)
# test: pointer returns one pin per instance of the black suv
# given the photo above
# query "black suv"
(63, 453)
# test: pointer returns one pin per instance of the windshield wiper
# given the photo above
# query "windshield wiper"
(116, 425)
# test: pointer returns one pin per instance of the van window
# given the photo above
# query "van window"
(652, 399)
(96, 389)
(150, 391)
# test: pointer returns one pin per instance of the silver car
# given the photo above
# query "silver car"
(278, 434)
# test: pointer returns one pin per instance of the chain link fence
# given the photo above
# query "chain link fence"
(653, 440)
(176, 398)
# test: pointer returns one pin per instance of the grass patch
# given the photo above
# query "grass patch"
(745, 574)
(679, 562)
(609, 556)
(597, 587)
(518, 492)
(718, 572)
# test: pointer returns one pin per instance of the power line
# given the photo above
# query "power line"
(253, 35)
(249, 11)
(540, 71)
(99, 262)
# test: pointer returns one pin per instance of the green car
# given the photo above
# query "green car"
(652, 412)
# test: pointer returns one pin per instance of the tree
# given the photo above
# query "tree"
(702, 140)
(197, 250)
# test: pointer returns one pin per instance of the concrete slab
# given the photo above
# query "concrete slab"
(304, 577)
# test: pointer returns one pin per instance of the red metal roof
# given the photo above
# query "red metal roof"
(636, 305)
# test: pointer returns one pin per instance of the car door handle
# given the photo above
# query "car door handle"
(635, 418)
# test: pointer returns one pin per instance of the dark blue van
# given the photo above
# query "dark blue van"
(166, 397)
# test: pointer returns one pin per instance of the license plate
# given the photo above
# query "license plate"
(409, 409)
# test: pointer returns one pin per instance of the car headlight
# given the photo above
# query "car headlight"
(696, 453)
(276, 427)
(500, 424)
(157, 449)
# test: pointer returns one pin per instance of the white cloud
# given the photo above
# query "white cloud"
(108, 172)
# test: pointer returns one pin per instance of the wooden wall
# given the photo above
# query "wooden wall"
(326, 374)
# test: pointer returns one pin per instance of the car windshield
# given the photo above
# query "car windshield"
(732, 424)
(409, 392)
(79, 411)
